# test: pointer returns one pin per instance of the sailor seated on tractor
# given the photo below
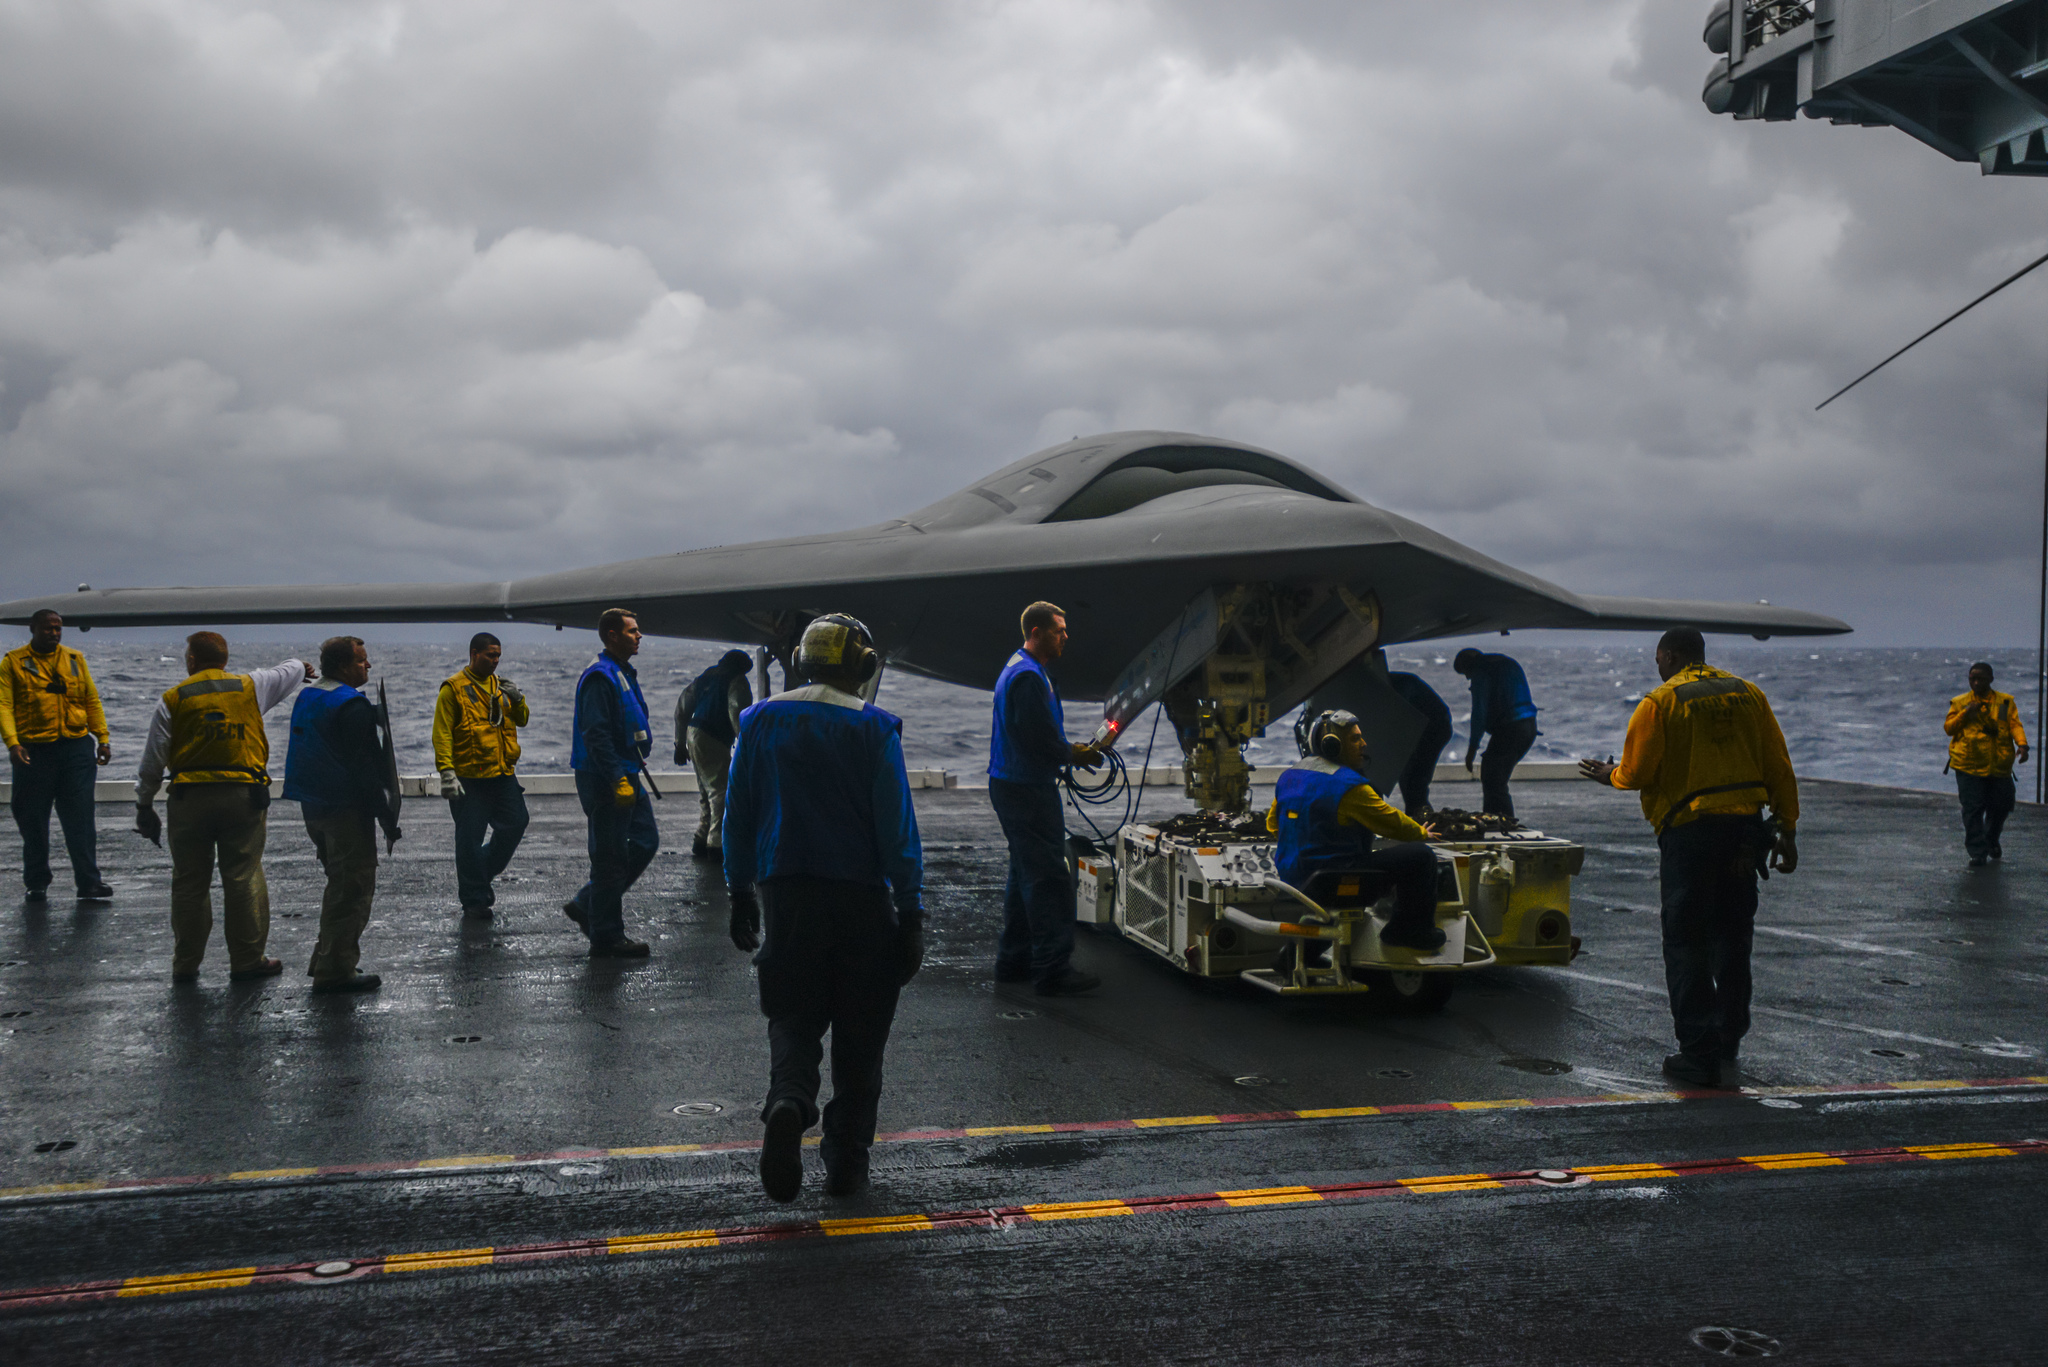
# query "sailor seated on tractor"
(1326, 816)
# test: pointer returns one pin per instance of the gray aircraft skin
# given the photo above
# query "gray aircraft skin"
(1122, 530)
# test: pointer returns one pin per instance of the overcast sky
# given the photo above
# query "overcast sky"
(298, 292)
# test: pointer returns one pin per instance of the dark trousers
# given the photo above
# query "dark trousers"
(496, 805)
(1987, 802)
(1504, 750)
(1038, 901)
(1708, 879)
(1421, 768)
(59, 774)
(623, 841)
(1412, 863)
(829, 960)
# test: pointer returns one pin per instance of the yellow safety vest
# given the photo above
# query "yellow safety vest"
(483, 739)
(40, 714)
(1720, 749)
(217, 731)
(1985, 749)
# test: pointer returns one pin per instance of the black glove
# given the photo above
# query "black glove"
(910, 949)
(148, 824)
(745, 925)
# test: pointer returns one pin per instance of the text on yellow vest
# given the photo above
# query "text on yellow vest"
(217, 731)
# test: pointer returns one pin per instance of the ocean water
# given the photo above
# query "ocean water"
(1867, 715)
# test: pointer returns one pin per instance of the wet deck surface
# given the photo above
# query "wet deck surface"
(1883, 941)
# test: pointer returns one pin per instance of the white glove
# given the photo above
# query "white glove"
(451, 786)
(511, 691)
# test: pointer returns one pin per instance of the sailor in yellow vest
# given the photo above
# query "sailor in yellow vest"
(1984, 738)
(476, 744)
(1707, 755)
(208, 732)
(50, 717)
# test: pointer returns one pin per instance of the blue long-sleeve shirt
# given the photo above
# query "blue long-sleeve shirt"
(1500, 694)
(818, 789)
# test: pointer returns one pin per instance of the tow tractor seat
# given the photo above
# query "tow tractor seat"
(1336, 889)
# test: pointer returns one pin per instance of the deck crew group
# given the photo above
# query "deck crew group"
(805, 801)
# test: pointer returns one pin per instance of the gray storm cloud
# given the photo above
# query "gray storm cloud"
(300, 292)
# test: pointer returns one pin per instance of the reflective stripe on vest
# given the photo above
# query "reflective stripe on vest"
(217, 731)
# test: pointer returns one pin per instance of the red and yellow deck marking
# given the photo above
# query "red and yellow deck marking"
(48, 1298)
(484, 1161)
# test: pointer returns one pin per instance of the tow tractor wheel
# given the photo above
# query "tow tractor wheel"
(1410, 994)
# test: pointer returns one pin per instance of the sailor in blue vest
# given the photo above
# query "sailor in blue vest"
(1501, 707)
(335, 770)
(820, 835)
(608, 749)
(1028, 750)
(1326, 816)
(707, 721)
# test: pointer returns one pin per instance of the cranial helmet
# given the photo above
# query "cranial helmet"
(1324, 736)
(837, 648)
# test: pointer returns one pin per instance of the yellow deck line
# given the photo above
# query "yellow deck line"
(468, 1160)
(258, 1174)
(1269, 1196)
(653, 1151)
(883, 1224)
(1076, 1210)
(1337, 1112)
(1959, 1150)
(1471, 1181)
(223, 1280)
(662, 1243)
(983, 1131)
(1159, 1121)
(451, 1257)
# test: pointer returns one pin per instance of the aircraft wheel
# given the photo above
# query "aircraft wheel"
(1410, 994)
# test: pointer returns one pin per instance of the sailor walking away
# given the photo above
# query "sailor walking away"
(50, 718)
(707, 721)
(1502, 708)
(208, 732)
(1984, 740)
(1028, 750)
(608, 751)
(821, 841)
(476, 747)
(1705, 751)
(335, 770)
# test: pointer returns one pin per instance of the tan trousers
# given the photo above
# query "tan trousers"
(208, 819)
(712, 759)
(347, 845)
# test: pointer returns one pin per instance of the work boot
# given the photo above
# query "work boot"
(262, 968)
(1068, 982)
(1977, 861)
(847, 1177)
(698, 849)
(620, 949)
(1013, 975)
(1694, 1072)
(36, 895)
(782, 1152)
(184, 977)
(1997, 852)
(1425, 938)
(478, 914)
(575, 913)
(358, 982)
(98, 892)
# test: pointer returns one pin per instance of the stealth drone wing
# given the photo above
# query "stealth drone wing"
(1122, 530)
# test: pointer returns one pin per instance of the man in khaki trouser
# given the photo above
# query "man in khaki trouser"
(208, 732)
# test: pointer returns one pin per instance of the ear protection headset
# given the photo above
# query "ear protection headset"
(839, 645)
(1326, 733)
